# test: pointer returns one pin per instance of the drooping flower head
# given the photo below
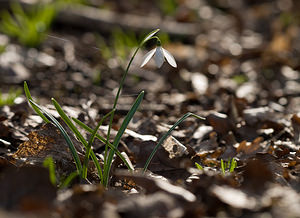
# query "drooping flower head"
(159, 56)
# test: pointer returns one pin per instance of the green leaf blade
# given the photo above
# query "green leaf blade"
(35, 108)
(223, 166)
(120, 133)
(167, 134)
(199, 167)
(102, 139)
(65, 135)
(91, 140)
(67, 120)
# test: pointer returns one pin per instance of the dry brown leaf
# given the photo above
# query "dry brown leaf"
(249, 148)
(280, 43)
(45, 142)
(256, 175)
(220, 123)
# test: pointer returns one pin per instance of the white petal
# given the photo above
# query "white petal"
(147, 57)
(169, 58)
(159, 57)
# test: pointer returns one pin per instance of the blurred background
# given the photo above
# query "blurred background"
(76, 51)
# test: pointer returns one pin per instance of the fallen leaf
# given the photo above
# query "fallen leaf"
(45, 142)
(220, 123)
(256, 175)
(249, 148)
(152, 185)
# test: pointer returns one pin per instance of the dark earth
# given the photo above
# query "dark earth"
(238, 67)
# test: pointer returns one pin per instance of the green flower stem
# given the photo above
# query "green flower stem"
(158, 42)
(111, 152)
(117, 98)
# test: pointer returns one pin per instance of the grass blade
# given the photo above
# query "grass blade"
(64, 133)
(199, 167)
(167, 134)
(223, 166)
(119, 135)
(29, 99)
(67, 120)
(233, 165)
(102, 139)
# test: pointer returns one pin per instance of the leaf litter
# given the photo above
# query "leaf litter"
(241, 72)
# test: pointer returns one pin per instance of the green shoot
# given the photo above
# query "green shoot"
(223, 166)
(199, 167)
(233, 165)
(230, 165)
(49, 163)
(68, 180)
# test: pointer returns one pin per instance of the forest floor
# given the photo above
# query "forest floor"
(239, 70)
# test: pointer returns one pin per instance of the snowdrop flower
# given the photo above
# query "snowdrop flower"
(159, 56)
